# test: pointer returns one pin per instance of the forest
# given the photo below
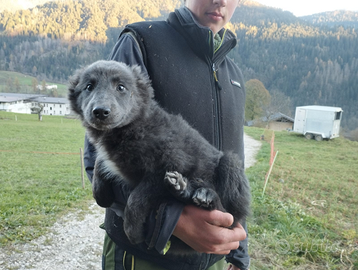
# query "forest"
(311, 60)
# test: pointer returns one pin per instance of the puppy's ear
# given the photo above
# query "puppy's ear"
(143, 81)
(74, 80)
(138, 74)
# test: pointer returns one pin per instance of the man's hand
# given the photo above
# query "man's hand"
(207, 231)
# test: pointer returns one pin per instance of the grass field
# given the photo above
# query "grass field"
(307, 218)
(40, 173)
(25, 82)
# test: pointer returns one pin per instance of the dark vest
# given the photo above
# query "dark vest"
(216, 110)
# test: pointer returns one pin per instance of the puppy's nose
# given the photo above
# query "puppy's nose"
(101, 113)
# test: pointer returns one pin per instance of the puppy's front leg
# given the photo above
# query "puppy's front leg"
(141, 201)
(102, 186)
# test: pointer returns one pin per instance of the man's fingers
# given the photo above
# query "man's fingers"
(226, 239)
(221, 219)
(208, 231)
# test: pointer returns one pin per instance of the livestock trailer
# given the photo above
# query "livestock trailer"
(319, 122)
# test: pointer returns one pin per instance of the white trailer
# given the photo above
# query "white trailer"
(319, 122)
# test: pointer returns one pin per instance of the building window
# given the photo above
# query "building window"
(50, 108)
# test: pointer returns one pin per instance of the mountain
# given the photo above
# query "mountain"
(334, 18)
(311, 63)
(82, 20)
(14, 5)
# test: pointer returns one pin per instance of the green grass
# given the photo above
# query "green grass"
(26, 83)
(308, 217)
(40, 173)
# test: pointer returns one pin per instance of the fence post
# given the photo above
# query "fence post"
(272, 147)
(268, 175)
(82, 169)
(272, 161)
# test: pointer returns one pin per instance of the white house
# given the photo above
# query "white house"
(17, 103)
(22, 103)
(47, 86)
(54, 106)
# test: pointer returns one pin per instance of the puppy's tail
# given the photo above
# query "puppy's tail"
(233, 186)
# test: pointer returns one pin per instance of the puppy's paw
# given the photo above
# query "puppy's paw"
(205, 198)
(175, 181)
(177, 185)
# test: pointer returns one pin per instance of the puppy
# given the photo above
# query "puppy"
(156, 154)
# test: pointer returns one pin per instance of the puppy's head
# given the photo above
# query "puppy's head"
(109, 94)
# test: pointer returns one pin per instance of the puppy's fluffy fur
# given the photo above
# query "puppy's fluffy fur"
(156, 154)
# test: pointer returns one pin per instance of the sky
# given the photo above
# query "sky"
(309, 7)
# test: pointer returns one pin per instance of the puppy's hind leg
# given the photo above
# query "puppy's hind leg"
(233, 186)
(193, 192)
(207, 198)
(178, 186)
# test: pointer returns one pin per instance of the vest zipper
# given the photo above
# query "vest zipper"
(217, 110)
(217, 83)
(217, 58)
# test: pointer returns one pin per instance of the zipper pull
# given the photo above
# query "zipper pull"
(216, 78)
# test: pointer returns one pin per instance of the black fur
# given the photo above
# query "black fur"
(157, 154)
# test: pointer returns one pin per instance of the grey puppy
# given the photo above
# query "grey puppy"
(157, 154)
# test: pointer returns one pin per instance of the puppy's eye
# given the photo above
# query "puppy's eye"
(89, 87)
(121, 88)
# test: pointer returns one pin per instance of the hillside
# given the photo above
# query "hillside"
(14, 5)
(20, 83)
(82, 20)
(311, 63)
(334, 18)
(307, 217)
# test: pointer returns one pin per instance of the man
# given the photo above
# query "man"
(185, 57)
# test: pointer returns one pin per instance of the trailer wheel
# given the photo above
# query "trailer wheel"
(308, 136)
(318, 138)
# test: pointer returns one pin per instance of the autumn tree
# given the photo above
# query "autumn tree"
(9, 85)
(43, 85)
(17, 85)
(38, 109)
(34, 84)
(257, 99)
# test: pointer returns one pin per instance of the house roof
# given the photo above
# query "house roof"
(278, 117)
(52, 100)
(12, 97)
(322, 108)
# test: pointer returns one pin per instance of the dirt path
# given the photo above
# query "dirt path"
(75, 241)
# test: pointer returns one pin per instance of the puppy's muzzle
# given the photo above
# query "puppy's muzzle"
(101, 113)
